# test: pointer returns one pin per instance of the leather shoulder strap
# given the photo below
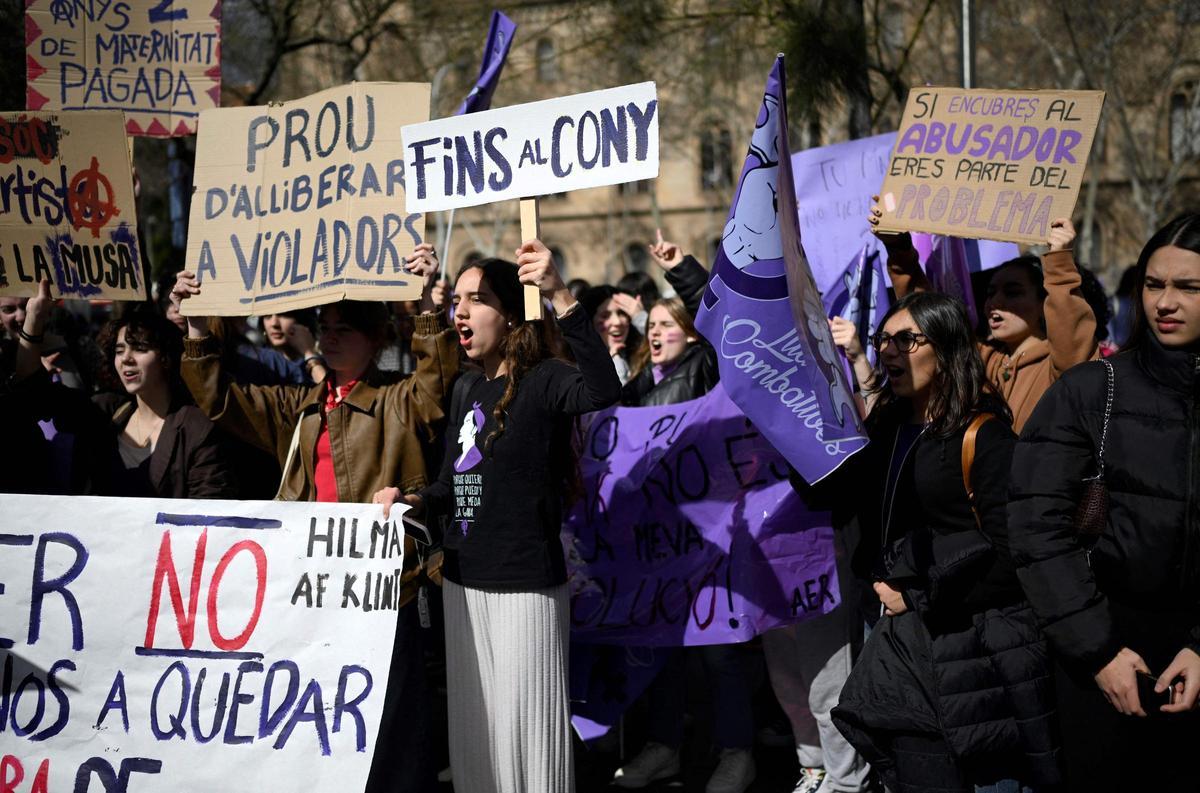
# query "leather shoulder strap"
(968, 452)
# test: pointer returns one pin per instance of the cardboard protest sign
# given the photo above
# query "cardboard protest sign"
(569, 143)
(990, 164)
(67, 211)
(301, 203)
(689, 531)
(186, 645)
(157, 60)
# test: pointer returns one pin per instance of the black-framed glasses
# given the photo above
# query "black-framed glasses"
(905, 341)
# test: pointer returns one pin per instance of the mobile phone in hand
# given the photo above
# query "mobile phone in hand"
(1150, 698)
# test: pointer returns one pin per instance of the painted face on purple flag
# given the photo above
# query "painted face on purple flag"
(752, 232)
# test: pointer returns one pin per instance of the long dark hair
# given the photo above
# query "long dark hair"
(1182, 232)
(960, 386)
(526, 344)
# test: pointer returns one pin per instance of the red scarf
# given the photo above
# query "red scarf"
(324, 477)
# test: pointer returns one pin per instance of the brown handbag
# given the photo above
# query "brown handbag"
(1091, 516)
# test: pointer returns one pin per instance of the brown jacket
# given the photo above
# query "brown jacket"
(373, 434)
(1070, 332)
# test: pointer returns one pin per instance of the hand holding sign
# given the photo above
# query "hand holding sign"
(187, 285)
(892, 240)
(423, 262)
(1062, 234)
(536, 268)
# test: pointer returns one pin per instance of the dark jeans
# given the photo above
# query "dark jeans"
(404, 756)
(730, 694)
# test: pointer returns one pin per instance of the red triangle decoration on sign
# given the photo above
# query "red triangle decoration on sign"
(34, 100)
(214, 73)
(33, 69)
(156, 128)
(216, 12)
(183, 129)
(32, 31)
(215, 93)
(132, 127)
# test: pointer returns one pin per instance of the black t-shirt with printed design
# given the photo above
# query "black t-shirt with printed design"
(503, 507)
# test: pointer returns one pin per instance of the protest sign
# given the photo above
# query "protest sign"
(186, 645)
(763, 313)
(157, 60)
(992, 164)
(299, 204)
(834, 185)
(689, 531)
(67, 210)
(553, 146)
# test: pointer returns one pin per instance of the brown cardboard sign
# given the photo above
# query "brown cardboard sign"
(67, 210)
(988, 164)
(302, 203)
(159, 61)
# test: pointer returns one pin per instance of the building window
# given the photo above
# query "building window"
(636, 257)
(640, 187)
(547, 61)
(716, 158)
(1185, 122)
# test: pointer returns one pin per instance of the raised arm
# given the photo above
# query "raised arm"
(595, 385)
(904, 266)
(264, 416)
(1070, 321)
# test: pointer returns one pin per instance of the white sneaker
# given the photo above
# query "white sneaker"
(810, 780)
(654, 762)
(733, 774)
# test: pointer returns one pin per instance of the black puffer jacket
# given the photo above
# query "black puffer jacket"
(967, 661)
(1148, 558)
(696, 373)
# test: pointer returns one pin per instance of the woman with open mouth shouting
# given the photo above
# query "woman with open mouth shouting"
(949, 692)
(508, 474)
(1039, 323)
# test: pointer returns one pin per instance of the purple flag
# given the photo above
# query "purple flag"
(689, 531)
(500, 36)
(949, 270)
(763, 313)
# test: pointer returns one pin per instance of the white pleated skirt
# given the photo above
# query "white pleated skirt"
(506, 679)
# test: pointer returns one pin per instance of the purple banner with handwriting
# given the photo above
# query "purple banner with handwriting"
(763, 313)
(689, 532)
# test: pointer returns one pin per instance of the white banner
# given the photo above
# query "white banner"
(569, 143)
(159, 646)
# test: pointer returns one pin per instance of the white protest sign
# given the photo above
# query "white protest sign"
(155, 646)
(569, 143)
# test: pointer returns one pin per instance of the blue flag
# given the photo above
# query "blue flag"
(763, 314)
(861, 295)
(500, 36)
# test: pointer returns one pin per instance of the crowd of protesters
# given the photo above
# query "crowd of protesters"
(1020, 541)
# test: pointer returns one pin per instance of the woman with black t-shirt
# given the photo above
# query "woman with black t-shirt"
(509, 469)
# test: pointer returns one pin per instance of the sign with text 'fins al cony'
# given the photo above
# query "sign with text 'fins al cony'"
(157, 645)
(302, 203)
(157, 60)
(988, 164)
(67, 210)
(552, 146)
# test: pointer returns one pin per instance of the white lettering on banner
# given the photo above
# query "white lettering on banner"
(771, 376)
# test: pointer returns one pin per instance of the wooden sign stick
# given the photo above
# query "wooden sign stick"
(531, 229)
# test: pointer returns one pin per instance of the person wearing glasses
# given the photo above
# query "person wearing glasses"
(1039, 323)
(950, 691)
